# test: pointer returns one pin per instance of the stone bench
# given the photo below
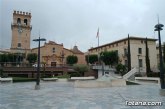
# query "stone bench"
(49, 79)
(83, 78)
(6, 80)
(149, 79)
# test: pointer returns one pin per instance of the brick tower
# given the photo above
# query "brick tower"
(21, 31)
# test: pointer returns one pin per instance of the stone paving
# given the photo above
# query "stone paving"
(63, 95)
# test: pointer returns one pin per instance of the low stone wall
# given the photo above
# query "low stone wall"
(118, 82)
(100, 84)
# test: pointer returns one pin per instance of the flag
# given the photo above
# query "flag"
(97, 36)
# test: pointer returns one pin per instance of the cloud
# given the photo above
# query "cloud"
(76, 21)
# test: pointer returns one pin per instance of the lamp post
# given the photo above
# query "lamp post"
(38, 64)
(158, 27)
(139, 63)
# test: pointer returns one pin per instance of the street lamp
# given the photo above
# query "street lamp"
(158, 27)
(38, 64)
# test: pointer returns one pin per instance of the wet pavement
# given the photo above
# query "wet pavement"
(63, 95)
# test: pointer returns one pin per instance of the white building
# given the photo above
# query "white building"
(137, 49)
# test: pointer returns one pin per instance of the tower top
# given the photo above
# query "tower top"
(22, 13)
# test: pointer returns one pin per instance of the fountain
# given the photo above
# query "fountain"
(107, 80)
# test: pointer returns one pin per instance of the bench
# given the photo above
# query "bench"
(149, 79)
(83, 78)
(6, 80)
(49, 79)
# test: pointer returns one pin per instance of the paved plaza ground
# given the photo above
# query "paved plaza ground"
(63, 95)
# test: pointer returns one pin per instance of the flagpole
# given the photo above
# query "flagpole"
(98, 41)
(97, 36)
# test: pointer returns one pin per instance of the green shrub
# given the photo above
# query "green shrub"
(1, 72)
(21, 79)
(75, 74)
(152, 74)
(81, 68)
(121, 69)
(63, 76)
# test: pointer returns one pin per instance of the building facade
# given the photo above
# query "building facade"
(54, 54)
(137, 49)
(21, 31)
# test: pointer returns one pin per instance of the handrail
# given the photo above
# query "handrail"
(130, 73)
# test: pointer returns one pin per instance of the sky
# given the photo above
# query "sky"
(76, 22)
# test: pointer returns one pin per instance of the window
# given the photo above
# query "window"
(25, 21)
(124, 42)
(125, 52)
(140, 63)
(116, 44)
(126, 63)
(53, 50)
(140, 50)
(19, 44)
(18, 21)
(142, 41)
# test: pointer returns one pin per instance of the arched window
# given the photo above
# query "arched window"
(25, 21)
(18, 21)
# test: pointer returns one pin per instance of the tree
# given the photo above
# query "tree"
(109, 57)
(32, 57)
(71, 59)
(3, 59)
(10, 58)
(148, 69)
(81, 69)
(92, 58)
(121, 69)
(129, 55)
(1, 72)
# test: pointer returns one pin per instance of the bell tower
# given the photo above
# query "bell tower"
(21, 31)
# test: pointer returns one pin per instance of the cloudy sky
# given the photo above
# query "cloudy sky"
(76, 21)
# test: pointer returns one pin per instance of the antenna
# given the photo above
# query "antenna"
(158, 18)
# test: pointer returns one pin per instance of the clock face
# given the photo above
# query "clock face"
(20, 30)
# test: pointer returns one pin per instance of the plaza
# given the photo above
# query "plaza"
(63, 95)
